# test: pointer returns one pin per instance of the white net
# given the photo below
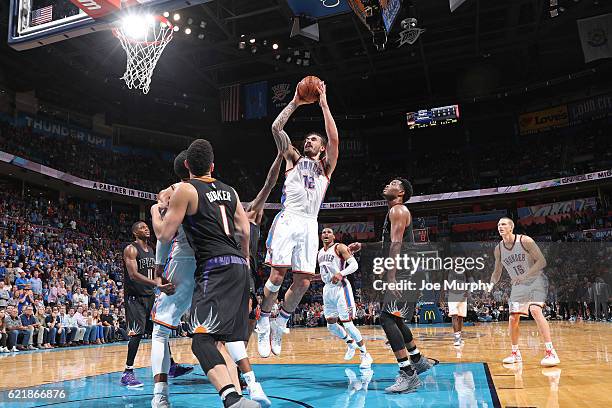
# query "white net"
(143, 46)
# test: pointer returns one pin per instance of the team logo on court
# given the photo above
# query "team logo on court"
(210, 325)
(280, 92)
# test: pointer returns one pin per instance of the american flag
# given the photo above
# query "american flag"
(230, 103)
(42, 15)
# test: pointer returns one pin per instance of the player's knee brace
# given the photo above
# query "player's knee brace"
(161, 333)
(272, 287)
(204, 348)
(237, 350)
(352, 331)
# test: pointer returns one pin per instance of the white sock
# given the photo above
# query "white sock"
(160, 352)
(457, 335)
(282, 318)
(549, 346)
(362, 348)
(264, 321)
(403, 363)
(414, 352)
(161, 388)
(249, 378)
(515, 348)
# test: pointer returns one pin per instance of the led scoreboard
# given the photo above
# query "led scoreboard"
(443, 115)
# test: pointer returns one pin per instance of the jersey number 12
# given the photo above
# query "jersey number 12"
(309, 182)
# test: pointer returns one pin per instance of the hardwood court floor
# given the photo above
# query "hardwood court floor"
(584, 378)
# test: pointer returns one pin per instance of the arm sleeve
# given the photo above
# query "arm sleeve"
(351, 267)
(161, 252)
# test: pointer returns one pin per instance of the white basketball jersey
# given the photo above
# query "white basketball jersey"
(180, 246)
(516, 259)
(305, 187)
(330, 263)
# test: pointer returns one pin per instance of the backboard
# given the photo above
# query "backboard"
(34, 23)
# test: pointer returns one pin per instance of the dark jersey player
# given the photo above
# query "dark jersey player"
(397, 306)
(139, 292)
(212, 215)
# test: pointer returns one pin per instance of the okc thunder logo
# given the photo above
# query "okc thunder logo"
(280, 92)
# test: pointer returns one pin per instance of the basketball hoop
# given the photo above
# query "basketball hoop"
(144, 40)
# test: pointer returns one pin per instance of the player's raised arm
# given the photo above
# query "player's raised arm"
(331, 155)
(242, 227)
(498, 266)
(258, 203)
(281, 138)
(179, 202)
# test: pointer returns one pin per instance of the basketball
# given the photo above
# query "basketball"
(307, 89)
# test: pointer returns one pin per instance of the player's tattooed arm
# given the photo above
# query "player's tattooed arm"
(281, 138)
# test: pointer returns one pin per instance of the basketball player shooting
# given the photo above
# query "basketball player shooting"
(335, 263)
(397, 230)
(293, 238)
(524, 262)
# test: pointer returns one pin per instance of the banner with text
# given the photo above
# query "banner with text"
(61, 130)
(359, 230)
(521, 188)
(69, 178)
(539, 213)
(597, 107)
(533, 122)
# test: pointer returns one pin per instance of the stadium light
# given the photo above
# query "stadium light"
(136, 26)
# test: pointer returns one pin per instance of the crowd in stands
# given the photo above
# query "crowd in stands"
(61, 259)
(60, 272)
(558, 153)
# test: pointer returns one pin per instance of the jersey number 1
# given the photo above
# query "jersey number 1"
(224, 219)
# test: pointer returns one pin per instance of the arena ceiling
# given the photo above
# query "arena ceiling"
(484, 47)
